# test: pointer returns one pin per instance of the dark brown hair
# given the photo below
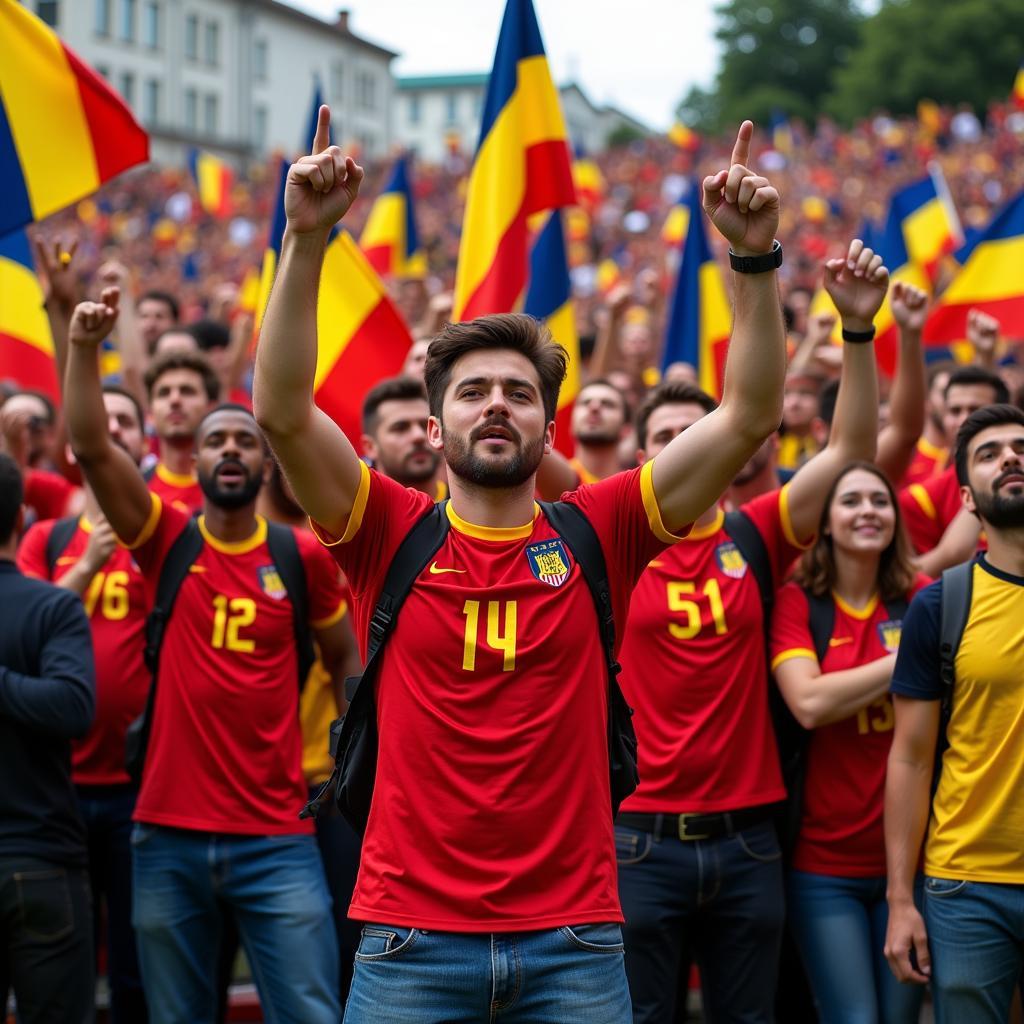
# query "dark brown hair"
(183, 361)
(515, 331)
(670, 392)
(896, 573)
(393, 389)
(979, 420)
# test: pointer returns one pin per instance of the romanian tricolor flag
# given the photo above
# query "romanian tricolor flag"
(930, 225)
(589, 181)
(685, 138)
(63, 130)
(673, 231)
(549, 298)
(700, 321)
(521, 168)
(214, 180)
(1018, 89)
(608, 276)
(389, 240)
(782, 134)
(361, 338)
(26, 344)
(991, 279)
(272, 253)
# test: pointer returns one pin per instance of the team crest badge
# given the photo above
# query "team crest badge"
(271, 582)
(889, 634)
(730, 561)
(549, 562)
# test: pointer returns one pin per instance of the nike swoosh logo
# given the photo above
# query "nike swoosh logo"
(67, 560)
(197, 568)
(838, 641)
(654, 564)
(435, 571)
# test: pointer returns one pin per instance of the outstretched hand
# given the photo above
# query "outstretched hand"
(857, 285)
(320, 187)
(742, 205)
(93, 321)
(53, 268)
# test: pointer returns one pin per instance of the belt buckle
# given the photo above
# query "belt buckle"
(685, 836)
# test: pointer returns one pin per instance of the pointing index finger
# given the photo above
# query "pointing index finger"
(322, 139)
(741, 151)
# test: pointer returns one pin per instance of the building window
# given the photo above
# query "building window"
(191, 110)
(259, 126)
(260, 60)
(127, 25)
(192, 36)
(210, 114)
(126, 87)
(151, 101)
(337, 81)
(151, 25)
(48, 12)
(103, 71)
(451, 108)
(211, 43)
(103, 17)
(414, 110)
(365, 90)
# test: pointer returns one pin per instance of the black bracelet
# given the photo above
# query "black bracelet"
(859, 337)
(757, 264)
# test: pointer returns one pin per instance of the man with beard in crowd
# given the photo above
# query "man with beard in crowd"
(600, 418)
(216, 819)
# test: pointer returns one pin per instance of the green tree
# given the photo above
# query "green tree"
(698, 109)
(963, 52)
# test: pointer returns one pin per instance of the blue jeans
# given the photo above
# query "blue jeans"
(976, 939)
(273, 886)
(107, 813)
(839, 926)
(716, 901)
(570, 975)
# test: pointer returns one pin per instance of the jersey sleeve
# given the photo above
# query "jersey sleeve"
(791, 629)
(917, 661)
(31, 557)
(770, 514)
(162, 528)
(327, 604)
(920, 517)
(48, 493)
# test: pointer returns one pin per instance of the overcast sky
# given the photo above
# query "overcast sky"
(642, 55)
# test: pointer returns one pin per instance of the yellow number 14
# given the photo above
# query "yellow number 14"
(503, 639)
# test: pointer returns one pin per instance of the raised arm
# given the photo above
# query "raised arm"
(127, 334)
(693, 471)
(113, 476)
(58, 279)
(857, 285)
(319, 461)
(898, 441)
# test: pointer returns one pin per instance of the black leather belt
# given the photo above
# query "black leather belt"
(698, 826)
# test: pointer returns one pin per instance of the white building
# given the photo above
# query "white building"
(233, 76)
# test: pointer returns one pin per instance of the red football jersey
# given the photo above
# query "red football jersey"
(844, 789)
(115, 602)
(47, 494)
(225, 751)
(929, 507)
(491, 810)
(693, 669)
(181, 491)
(928, 461)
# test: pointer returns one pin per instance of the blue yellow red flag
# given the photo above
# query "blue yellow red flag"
(1018, 89)
(272, 252)
(673, 231)
(521, 168)
(700, 320)
(63, 130)
(214, 180)
(389, 239)
(26, 344)
(588, 180)
(684, 137)
(782, 133)
(929, 221)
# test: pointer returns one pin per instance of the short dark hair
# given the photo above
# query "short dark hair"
(232, 407)
(209, 334)
(12, 494)
(392, 389)
(194, 361)
(516, 331)
(670, 392)
(967, 375)
(51, 409)
(988, 416)
(158, 296)
(116, 389)
(627, 412)
(939, 367)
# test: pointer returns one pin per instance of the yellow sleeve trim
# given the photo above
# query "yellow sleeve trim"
(787, 524)
(650, 500)
(155, 508)
(336, 616)
(793, 652)
(355, 517)
(924, 499)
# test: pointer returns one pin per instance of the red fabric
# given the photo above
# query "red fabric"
(225, 753)
(701, 703)
(923, 466)
(30, 366)
(924, 528)
(184, 498)
(115, 602)
(47, 494)
(491, 810)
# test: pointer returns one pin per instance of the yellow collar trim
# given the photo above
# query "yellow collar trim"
(856, 613)
(238, 547)
(703, 532)
(83, 524)
(493, 533)
(586, 477)
(174, 479)
(925, 447)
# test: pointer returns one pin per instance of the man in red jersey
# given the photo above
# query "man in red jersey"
(700, 873)
(105, 575)
(216, 818)
(487, 879)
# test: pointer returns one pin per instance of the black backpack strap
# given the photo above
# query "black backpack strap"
(955, 609)
(747, 537)
(60, 537)
(821, 617)
(149, 472)
(284, 550)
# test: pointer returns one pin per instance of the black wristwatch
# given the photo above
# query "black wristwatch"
(757, 264)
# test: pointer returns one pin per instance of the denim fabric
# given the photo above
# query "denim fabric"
(976, 939)
(46, 931)
(570, 975)
(718, 902)
(839, 925)
(274, 888)
(107, 813)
